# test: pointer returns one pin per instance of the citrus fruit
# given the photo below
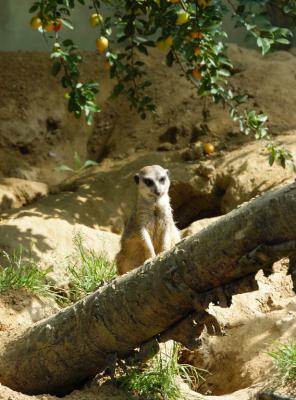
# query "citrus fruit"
(196, 73)
(169, 41)
(197, 51)
(182, 18)
(208, 148)
(35, 22)
(95, 19)
(196, 35)
(102, 44)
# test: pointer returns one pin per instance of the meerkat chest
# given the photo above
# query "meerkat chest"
(156, 223)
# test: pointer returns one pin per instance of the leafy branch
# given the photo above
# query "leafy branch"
(191, 33)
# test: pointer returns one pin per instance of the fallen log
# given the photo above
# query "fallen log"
(164, 299)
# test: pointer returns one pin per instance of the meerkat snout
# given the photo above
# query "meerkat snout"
(153, 181)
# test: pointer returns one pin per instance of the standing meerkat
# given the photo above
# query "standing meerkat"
(150, 229)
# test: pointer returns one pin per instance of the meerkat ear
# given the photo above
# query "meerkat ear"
(167, 172)
(137, 179)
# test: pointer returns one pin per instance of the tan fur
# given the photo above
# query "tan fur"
(150, 229)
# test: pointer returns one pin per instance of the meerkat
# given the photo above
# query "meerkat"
(150, 229)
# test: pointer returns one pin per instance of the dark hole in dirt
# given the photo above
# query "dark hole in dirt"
(97, 153)
(24, 150)
(198, 131)
(190, 206)
(170, 135)
(52, 124)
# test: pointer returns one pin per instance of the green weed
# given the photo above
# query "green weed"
(77, 165)
(87, 270)
(23, 273)
(158, 380)
(284, 358)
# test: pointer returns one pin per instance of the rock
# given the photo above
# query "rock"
(197, 226)
(15, 193)
(194, 152)
(166, 146)
(46, 235)
(206, 169)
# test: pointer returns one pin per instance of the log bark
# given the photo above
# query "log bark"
(165, 298)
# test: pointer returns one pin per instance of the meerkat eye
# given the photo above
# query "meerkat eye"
(148, 182)
(162, 180)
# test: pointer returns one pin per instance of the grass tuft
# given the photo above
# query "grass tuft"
(87, 270)
(284, 358)
(158, 380)
(23, 273)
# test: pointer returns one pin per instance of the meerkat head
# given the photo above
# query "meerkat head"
(153, 181)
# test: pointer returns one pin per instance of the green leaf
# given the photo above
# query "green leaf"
(77, 160)
(89, 163)
(92, 107)
(63, 168)
(264, 43)
(89, 118)
(223, 72)
(142, 49)
(34, 8)
(67, 23)
(117, 89)
(283, 41)
(67, 42)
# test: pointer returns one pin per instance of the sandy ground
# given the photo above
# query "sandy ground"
(37, 134)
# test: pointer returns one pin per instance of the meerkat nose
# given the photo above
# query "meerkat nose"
(157, 192)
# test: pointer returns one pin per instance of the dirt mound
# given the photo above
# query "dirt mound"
(92, 392)
(254, 324)
(49, 240)
(101, 198)
(37, 133)
(208, 187)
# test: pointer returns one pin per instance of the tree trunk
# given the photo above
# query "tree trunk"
(163, 299)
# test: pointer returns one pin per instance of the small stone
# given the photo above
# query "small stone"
(131, 151)
(205, 169)
(165, 147)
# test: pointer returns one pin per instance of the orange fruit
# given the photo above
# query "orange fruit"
(197, 51)
(102, 44)
(160, 44)
(196, 73)
(208, 148)
(196, 35)
(36, 23)
(95, 19)
(57, 25)
(48, 27)
(169, 41)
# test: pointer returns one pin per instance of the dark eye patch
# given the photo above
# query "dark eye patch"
(162, 179)
(148, 182)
